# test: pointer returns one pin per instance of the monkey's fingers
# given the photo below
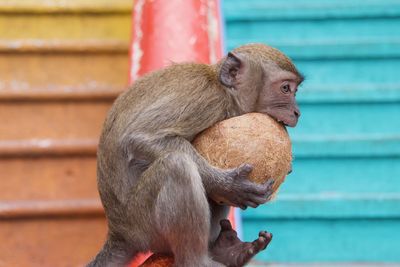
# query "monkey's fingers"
(250, 203)
(255, 200)
(269, 183)
(243, 171)
(268, 186)
(259, 189)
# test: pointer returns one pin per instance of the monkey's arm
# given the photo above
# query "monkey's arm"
(229, 187)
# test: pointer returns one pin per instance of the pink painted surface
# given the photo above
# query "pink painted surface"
(174, 31)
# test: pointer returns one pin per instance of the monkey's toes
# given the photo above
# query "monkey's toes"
(254, 247)
(265, 234)
(231, 251)
(264, 238)
(225, 225)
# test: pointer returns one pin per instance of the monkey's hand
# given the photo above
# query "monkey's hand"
(239, 191)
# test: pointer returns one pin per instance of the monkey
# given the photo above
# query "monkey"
(158, 193)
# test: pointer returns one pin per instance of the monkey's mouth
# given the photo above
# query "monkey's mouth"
(281, 122)
(287, 123)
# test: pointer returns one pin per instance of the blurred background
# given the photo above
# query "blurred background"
(62, 63)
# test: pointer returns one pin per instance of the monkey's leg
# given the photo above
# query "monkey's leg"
(179, 211)
(218, 213)
(231, 251)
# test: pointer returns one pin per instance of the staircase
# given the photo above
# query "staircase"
(62, 63)
(341, 204)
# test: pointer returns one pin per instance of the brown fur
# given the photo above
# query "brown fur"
(159, 194)
(262, 53)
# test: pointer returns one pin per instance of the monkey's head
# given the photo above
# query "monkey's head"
(264, 80)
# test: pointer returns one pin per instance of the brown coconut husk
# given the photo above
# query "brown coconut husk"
(252, 138)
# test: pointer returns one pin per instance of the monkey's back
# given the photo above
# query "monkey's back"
(179, 101)
(182, 99)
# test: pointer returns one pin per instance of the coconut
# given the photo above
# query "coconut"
(252, 138)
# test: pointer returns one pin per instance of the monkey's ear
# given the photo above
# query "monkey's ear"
(229, 70)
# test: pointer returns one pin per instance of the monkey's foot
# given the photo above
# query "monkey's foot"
(231, 251)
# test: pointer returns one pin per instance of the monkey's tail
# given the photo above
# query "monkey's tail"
(114, 253)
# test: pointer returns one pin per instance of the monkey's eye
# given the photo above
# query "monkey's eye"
(285, 88)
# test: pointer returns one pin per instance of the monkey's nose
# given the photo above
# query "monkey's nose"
(297, 113)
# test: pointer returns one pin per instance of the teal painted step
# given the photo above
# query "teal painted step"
(315, 46)
(317, 29)
(322, 39)
(328, 240)
(379, 76)
(329, 205)
(343, 177)
(352, 119)
(256, 263)
(346, 147)
(309, 9)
